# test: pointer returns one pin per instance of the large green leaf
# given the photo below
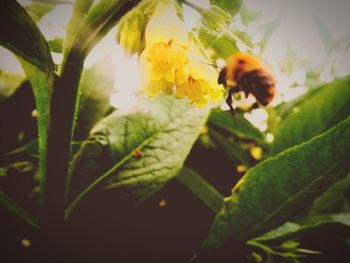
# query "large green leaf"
(280, 187)
(137, 150)
(20, 34)
(314, 115)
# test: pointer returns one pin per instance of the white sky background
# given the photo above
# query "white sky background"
(296, 28)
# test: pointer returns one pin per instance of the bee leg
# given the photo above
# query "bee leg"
(229, 99)
(254, 106)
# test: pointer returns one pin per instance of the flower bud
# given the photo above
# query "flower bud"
(130, 31)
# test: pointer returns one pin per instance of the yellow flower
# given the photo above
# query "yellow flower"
(197, 80)
(153, 88)
(130, 30)
(169, 60)
(165, 58)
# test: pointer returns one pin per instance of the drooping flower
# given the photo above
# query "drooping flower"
(170, 62)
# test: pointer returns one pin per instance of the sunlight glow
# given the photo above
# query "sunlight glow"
(258, 118)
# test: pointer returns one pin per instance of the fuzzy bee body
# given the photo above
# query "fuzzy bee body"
(246, 73)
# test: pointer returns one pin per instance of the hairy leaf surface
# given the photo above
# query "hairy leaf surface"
(278, 188)
(20, 34)
(137, 150)
(314, 115)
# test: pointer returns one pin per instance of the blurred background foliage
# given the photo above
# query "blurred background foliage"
(313, 97)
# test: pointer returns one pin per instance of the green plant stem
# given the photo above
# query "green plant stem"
(64, 104)
(81, 7)
(20, 212)
(201, 188)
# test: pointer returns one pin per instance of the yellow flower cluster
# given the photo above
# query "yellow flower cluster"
(171, 63)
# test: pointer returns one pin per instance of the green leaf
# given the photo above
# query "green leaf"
(334, 200)
(20, 34)
(292, 230)
(39, 9)
(81, 7)
(280, 187)
(56, 44)
(215, 19)
(99, 20)
(325, 35)
(9, 82)
(41, 87)
(224, 46)
(96, 86)
(25, 40)
(137, 150)
(18, 211)
(238, 125)
(232, 149)
(314, 115)
(230, 6)
(201, 188)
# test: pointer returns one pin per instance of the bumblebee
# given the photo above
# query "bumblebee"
(246, 73)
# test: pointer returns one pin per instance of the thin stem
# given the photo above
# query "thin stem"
(201, 188)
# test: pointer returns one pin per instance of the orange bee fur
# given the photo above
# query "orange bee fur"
(246, 73)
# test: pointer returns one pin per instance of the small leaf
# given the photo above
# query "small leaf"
(9, 82)
(280, 187)
(238, 125)
(162, 130)
(56, 45)
(215, 19)
(38, 9)
(293, 230)
(230, 6)
(314, 115)
(325, 35)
